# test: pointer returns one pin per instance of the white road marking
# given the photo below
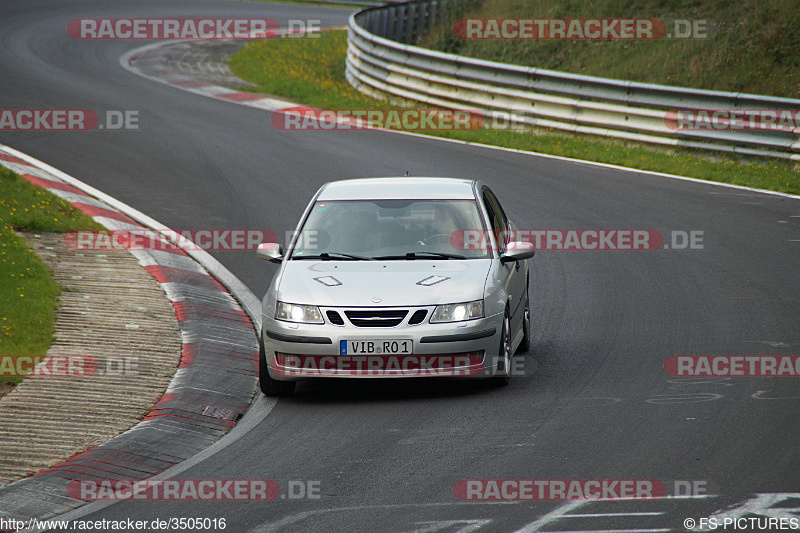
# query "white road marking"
(686, 382)
(564, 512)
(774, 344)
(684, 398)
(734, 193)
(606, 515)
(439, 525)
(602, 400)
(762, 505)
(552, 516)
(298, 517)
(612, 531)
(757, 396)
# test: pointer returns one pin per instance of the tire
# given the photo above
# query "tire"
(270, 387)
(502, 377)
(526, 326)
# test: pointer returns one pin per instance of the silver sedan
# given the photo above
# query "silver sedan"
(396, 277)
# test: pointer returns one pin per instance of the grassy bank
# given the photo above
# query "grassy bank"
(28, 296)
(750, 46)
(311, 72)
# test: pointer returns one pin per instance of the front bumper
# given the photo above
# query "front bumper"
(459, 349)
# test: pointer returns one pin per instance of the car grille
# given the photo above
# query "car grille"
(417, 317)
(376, 318)
(335, 318)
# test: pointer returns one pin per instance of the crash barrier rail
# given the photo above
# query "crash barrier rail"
(354, 2)
(383, 62)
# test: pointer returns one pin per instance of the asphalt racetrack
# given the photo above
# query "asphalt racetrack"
(594, 402)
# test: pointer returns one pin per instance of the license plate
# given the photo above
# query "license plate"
(376, 347)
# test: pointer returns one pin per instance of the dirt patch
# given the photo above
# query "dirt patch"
(5, 388)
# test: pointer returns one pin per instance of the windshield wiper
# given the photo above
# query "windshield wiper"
(421, 255)
(334, 256)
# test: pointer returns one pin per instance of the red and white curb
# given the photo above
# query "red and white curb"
(152, 61)
(211, 389)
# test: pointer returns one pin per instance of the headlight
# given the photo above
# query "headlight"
(457, 312)
(308, 314)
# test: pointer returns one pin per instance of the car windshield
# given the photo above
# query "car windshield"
(389, 230)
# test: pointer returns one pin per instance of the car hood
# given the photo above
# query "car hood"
(396, 283)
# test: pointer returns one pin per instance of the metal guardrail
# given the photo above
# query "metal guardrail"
(383, 62)
(354, 2)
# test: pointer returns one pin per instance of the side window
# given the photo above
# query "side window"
(497, 217)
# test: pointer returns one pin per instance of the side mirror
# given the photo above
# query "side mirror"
(271, 251)
(517, 251)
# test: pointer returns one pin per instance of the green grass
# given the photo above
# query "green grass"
(311, 72)
(307, 70)
(754, 45)
(28, 296)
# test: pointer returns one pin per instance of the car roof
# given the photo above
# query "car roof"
(399, 188)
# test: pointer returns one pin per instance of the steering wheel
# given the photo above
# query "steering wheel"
(444, 238)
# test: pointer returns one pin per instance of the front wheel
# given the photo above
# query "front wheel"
(526, 327)
(269, 386)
